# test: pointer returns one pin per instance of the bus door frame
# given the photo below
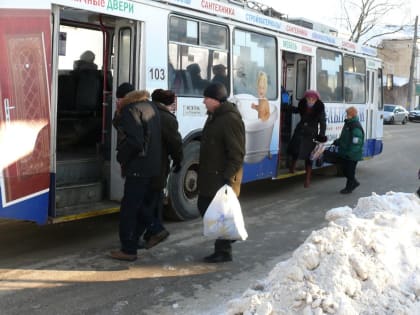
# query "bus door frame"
(134, 69)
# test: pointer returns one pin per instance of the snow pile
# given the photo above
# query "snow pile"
(367, 261)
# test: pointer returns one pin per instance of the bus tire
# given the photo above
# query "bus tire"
(182, 186)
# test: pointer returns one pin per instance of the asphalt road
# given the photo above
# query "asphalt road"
(63, 269)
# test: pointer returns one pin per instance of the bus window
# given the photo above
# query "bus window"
(354, 79)
(254, 54)
(301, 79)
(197, 58)
(329, 75)
(124, 55)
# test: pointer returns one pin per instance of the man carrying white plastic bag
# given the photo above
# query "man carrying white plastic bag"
(223, 218)
(222, 151)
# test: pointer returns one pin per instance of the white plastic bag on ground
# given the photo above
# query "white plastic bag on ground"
(223, 218)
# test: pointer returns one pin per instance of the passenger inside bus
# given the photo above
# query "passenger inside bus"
(219, 72)
(85, 62)
(322, 86)
(198, 83)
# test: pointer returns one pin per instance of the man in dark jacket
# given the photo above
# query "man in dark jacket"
(222, 154)
(350, 148)
(171, 146)
(139, 153)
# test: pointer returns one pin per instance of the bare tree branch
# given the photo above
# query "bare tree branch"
(364, 15)
(381, 34)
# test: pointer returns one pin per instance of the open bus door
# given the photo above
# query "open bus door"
(126, 69)
(25, 67)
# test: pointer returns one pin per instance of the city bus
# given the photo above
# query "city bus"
(56, 138)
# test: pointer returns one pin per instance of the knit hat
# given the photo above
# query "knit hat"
(312, 93)
(87, 56)
(216, 91)
(166, 97)
(124, 89)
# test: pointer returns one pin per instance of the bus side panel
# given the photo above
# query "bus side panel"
(25, 51)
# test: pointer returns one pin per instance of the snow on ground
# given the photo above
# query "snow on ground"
(366, 261)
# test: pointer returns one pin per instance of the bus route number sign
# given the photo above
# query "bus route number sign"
(157, 74)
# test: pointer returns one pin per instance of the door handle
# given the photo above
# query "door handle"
(7, 109)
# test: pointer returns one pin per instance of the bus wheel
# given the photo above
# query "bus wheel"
(182, 186)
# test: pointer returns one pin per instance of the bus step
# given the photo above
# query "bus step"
(72, 195)
(78, 171)
(84, 211)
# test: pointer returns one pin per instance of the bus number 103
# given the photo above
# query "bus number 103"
(157, 74)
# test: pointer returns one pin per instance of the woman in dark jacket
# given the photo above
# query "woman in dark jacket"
(311, 128)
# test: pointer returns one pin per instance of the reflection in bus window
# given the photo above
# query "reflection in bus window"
(329, 82)
(254, 53)
(192, 62)
(354, 79)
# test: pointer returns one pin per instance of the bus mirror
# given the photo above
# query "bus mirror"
(389, 81)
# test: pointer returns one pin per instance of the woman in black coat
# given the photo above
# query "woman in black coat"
(311, 128)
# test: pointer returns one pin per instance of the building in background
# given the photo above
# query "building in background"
(396, 55)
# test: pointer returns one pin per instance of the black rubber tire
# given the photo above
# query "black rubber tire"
(391, 121)
(182, 186)
(404, 121)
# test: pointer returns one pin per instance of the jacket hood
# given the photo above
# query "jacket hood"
(135, 97)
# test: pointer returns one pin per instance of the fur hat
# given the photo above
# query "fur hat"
(312, 93)
(216, 91)
(87, 56)
(124, 89)
(166, 97)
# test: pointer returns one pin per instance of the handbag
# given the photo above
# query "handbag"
(330, 155)
(223, 218)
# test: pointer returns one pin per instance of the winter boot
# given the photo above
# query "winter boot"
(307, 176)
(354, 185)
(222, 252)
(348, 189)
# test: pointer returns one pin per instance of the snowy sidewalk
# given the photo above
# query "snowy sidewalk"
(367, 261)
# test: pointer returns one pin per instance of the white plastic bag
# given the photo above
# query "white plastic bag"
(317, 151)
(223, 218)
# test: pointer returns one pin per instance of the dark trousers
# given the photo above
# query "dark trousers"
(135, 215)
(220, 245)
(349, 170)
(154, 202)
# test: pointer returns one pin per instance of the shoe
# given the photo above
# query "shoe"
(345, 191)
(156, 239)
(218, 257)
(120, 255)
(355, 185)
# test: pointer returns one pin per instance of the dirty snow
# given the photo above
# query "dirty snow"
(366, 261)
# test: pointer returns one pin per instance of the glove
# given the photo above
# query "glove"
(320, 138)
(176, 168)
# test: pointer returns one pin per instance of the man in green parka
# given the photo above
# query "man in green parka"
(222, 152)
(350, 148)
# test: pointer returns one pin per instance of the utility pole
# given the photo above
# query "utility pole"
(413, 60)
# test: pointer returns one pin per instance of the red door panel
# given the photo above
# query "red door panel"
(25, 67)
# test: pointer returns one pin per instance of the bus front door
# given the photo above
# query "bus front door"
(25, 53)
(127, 67)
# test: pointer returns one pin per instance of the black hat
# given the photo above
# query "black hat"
(124, 89)
(166, 97)
(217, 91)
